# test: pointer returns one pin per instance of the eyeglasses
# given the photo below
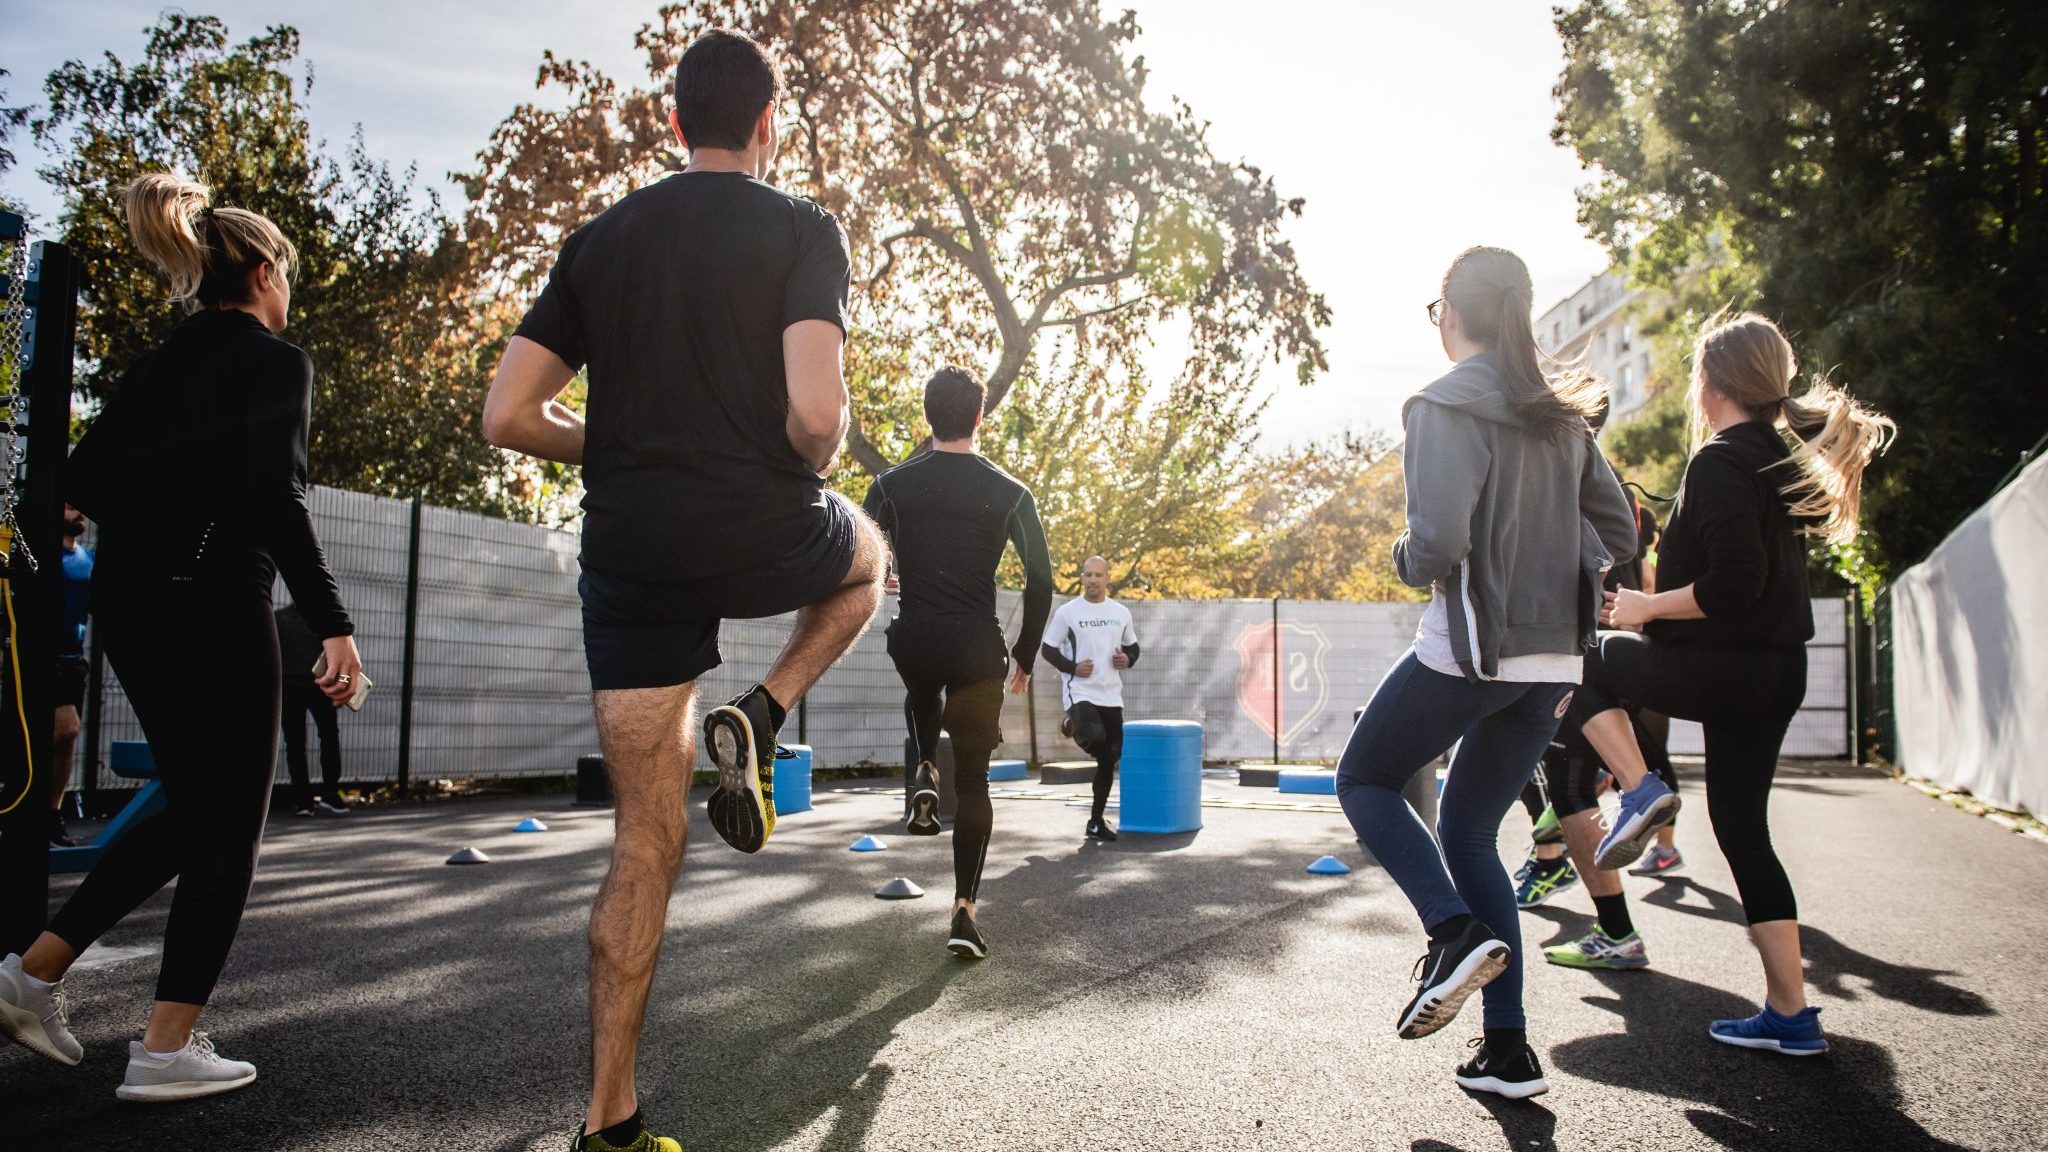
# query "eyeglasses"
(1435, 308)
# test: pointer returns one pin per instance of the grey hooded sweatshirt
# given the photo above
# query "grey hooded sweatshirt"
(1510, 528)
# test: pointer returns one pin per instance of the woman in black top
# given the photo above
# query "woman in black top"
(196, 472)
(1724, 642)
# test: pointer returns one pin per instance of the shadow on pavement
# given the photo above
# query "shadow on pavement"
(1752, 1100)
(384, 994)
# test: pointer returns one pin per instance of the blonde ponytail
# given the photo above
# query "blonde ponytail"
(206, 253)
(1749, 361)
(1838, 436)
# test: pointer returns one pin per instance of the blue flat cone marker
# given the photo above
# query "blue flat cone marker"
(530, 824)
(901, 888)
(1329, 866)
(469, 856)
(868, 844)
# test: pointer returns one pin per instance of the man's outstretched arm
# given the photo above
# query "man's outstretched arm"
(522, 412)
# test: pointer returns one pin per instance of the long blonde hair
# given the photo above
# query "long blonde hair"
(1748, 361)
(1490, 288)
(206, 253)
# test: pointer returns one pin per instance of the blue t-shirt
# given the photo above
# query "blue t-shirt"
(77, 590)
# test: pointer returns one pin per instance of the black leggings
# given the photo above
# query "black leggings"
(200, 669)
(303, 697)
(1099, 730)
(953, 679)
(1571, 769)
(1744, 699)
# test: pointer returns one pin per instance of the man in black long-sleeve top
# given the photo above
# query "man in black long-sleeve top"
(948, 515)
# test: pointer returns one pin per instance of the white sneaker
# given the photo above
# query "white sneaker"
(196, 1070)
(35, 1016)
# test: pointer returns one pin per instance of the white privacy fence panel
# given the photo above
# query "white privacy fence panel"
(1970, 652)
(500, 687)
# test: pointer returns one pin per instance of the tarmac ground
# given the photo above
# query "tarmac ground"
(1198, 991)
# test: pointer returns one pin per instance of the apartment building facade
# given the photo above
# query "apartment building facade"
(1598, 322)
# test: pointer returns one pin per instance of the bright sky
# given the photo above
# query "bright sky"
(1413, 131)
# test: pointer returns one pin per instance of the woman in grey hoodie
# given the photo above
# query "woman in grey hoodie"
(1512, 518)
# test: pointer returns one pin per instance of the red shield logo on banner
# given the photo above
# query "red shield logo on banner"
(1281, 691)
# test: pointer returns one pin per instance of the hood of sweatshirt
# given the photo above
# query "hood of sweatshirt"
(1472, 387)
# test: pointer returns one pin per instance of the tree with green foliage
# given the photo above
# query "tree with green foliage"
(382, 302)
(1870, 175)
(1010, 199)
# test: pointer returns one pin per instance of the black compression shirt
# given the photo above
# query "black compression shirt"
(675, 299)
(1733, 539)
(948, 516)
(196, 470)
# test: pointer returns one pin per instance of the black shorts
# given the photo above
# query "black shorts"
(638, 634)
(71, 673)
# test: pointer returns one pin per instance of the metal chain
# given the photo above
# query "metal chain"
(14, 346)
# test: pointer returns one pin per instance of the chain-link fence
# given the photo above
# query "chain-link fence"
(498, 685)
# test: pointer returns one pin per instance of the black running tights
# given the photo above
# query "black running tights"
(1108, 748)
(1744, 700)
(946, 681)
(200, 669)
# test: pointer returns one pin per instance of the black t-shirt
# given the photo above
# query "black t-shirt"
(675, 299)
(948, 516)
(1732, 537)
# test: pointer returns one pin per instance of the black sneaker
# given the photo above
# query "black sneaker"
(1517, 1078)
(966, 940)
(742, 743)
(1447, 974)
(331, 807)
(924, 802)
(60, 837)
(1100, 830)
(306, 813)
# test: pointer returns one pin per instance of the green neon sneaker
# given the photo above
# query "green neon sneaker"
(1596, 949)
(1548, 829)
(1540, 883)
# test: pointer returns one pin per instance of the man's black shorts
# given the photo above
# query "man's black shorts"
(71, 673)
(651, 635)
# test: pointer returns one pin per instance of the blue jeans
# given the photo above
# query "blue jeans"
(1501, 730)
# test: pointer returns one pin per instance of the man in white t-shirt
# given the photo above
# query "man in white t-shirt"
(1091, 642)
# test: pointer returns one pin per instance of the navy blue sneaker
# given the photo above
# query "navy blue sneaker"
(1795, 1035)
(1644, 809)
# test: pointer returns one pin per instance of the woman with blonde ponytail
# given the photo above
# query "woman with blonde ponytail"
(1513, 515)
(1723, 641)
(196, 473)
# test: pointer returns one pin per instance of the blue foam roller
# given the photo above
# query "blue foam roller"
(1006, 770)
(868, 844)
(793, 781)
(1329, 866)
(1310, 781)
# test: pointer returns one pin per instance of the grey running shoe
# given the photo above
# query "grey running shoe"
(1658, 861)
(35, 1016)
(196, 1070)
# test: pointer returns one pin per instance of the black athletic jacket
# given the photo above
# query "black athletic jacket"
(196, 471)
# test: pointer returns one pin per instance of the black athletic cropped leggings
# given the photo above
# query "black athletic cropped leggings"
(200, 669)
(953, 679)
(1744, 699)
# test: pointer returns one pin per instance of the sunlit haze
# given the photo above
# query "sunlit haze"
(1411, 130)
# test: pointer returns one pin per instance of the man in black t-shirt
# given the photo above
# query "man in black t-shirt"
(948, 515)
(708, 311)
